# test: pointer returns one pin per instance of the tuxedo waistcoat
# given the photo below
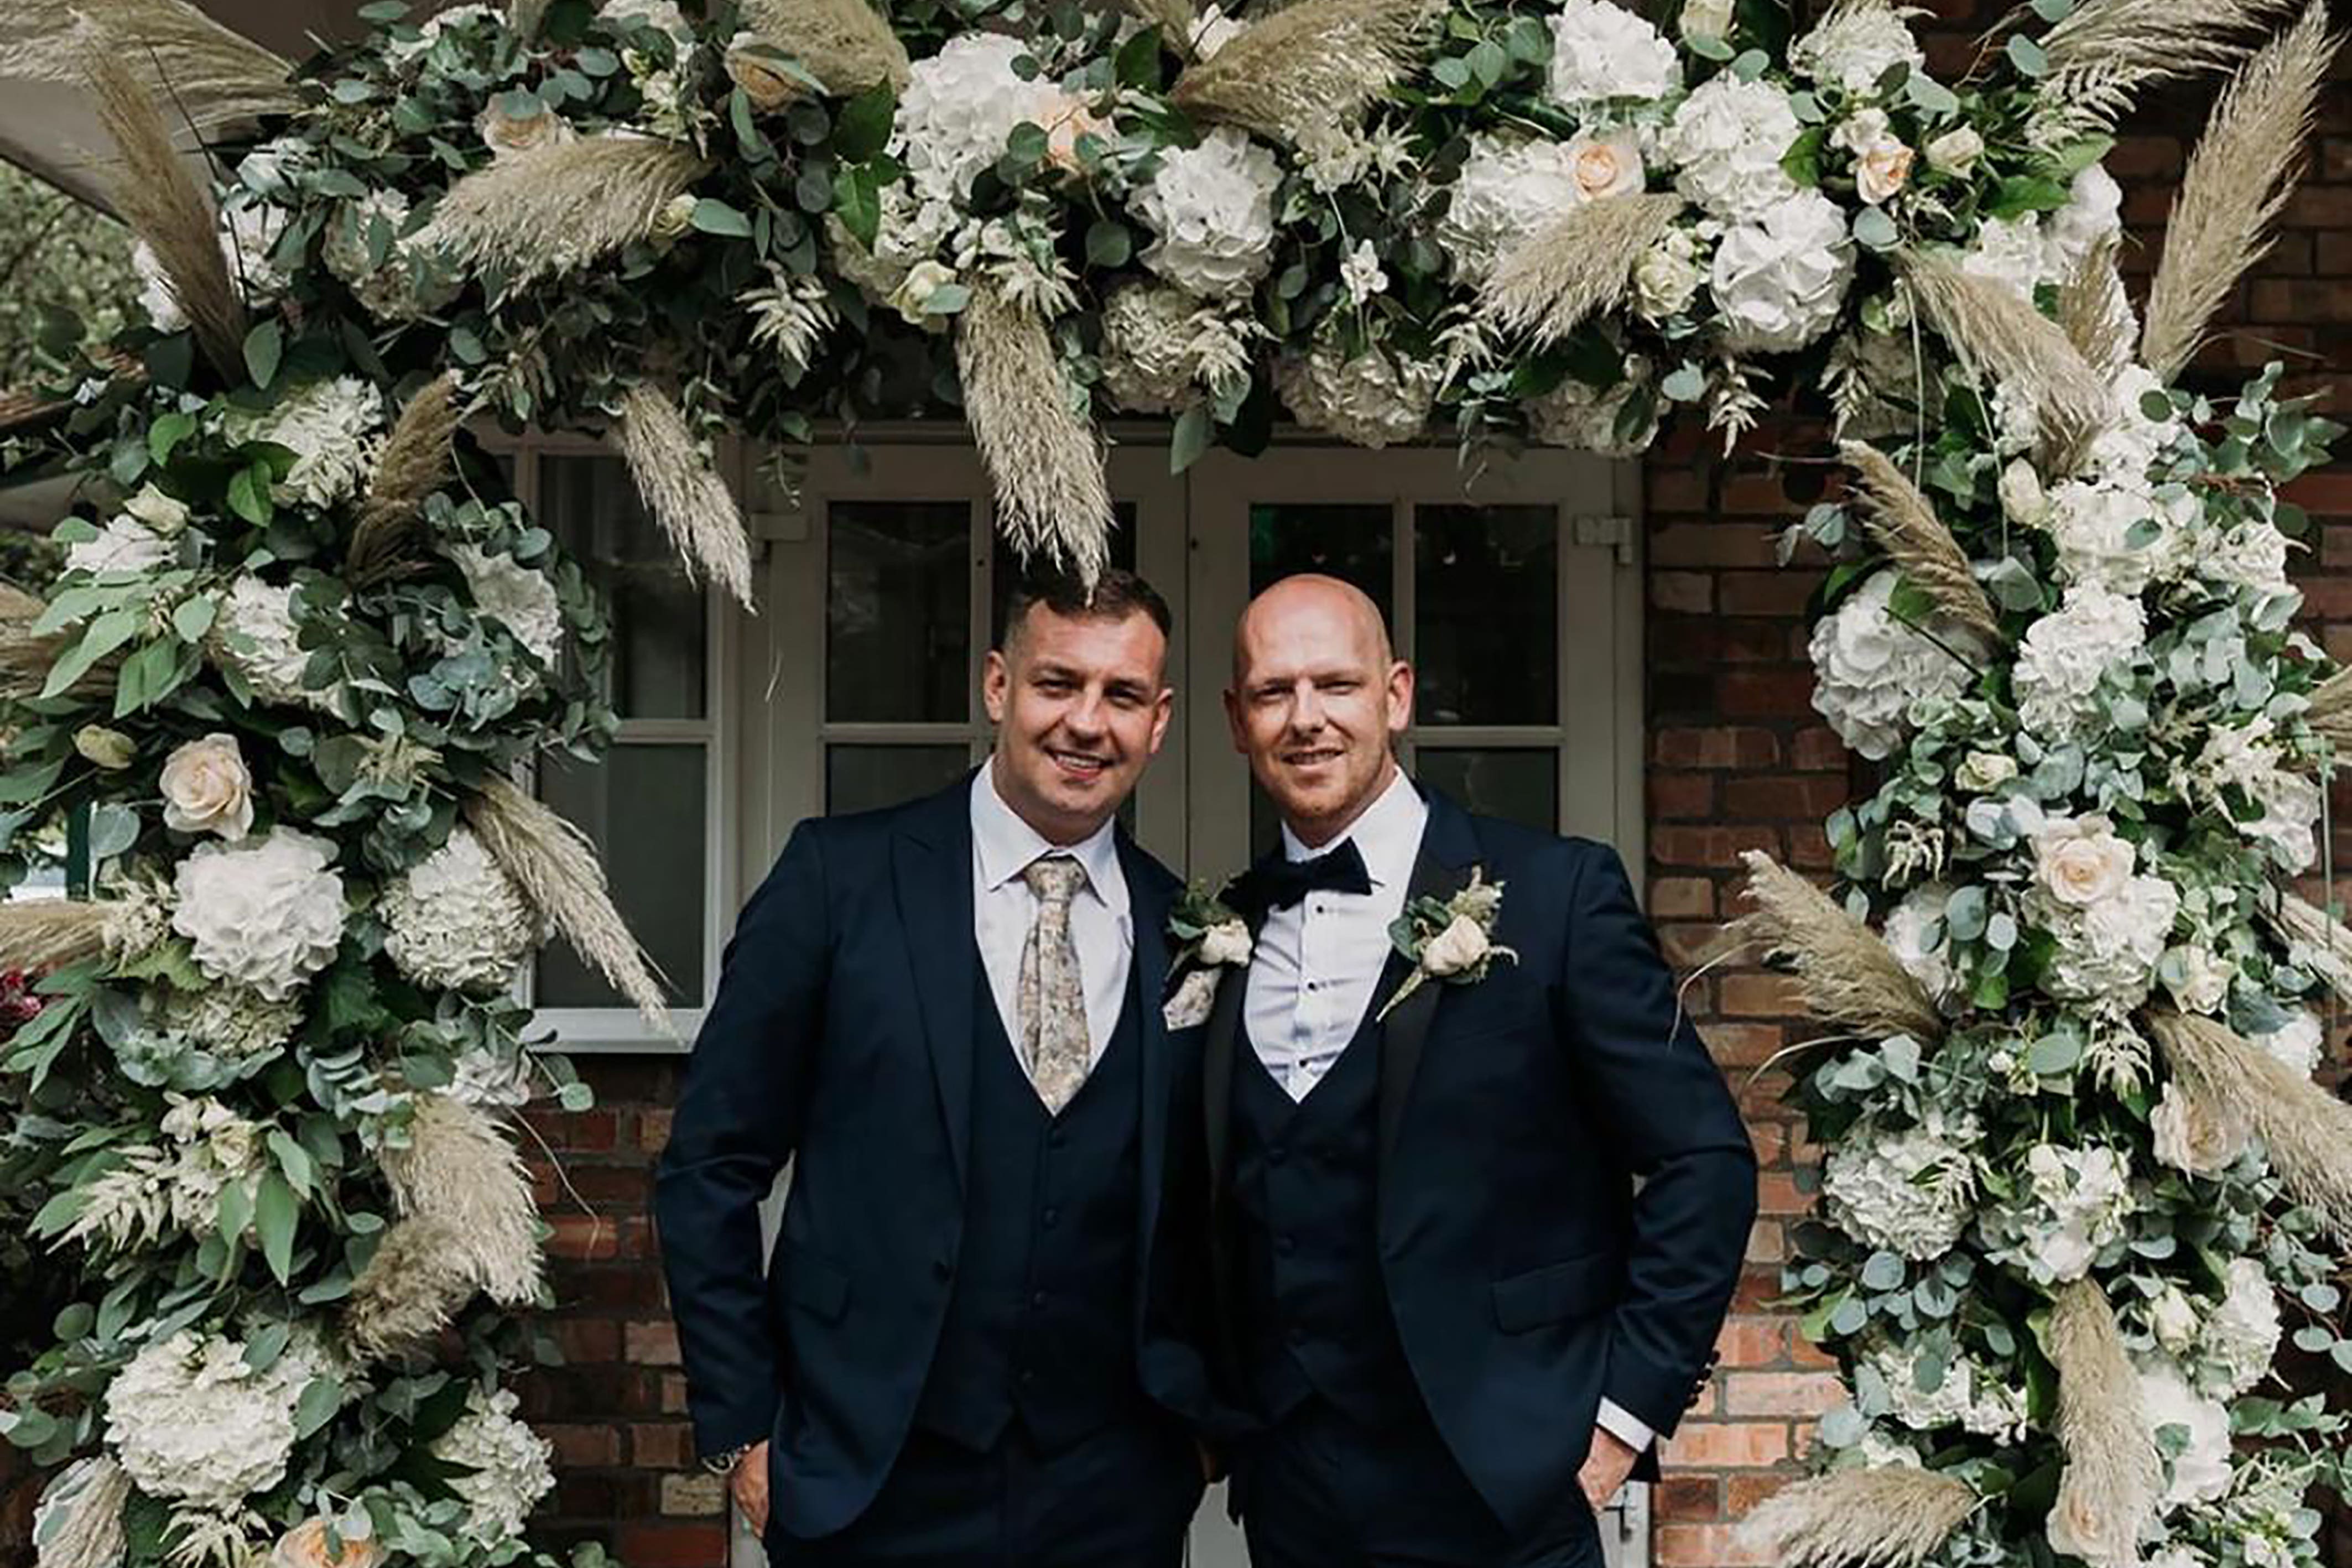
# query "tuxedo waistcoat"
(1306, 1187)
(1040, 1318)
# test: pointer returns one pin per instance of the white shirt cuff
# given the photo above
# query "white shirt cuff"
(1625, 1427)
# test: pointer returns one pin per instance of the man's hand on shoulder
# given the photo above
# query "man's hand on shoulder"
(1606, 1467)
(747, 1484)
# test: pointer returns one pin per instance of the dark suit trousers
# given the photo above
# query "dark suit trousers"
(1121, 1498)
(1323, 1490)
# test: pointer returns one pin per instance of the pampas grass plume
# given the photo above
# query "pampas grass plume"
(1904, 524)
(2114, 1475)
(1844, 972)
(1052, 497)
(687, 498)
(1893, 1516)
(537, 212)
(2306, 1130)
(1578, 264)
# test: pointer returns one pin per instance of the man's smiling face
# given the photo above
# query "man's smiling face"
(1316, 700)
(1080, 708)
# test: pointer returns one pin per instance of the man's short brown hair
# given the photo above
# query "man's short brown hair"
(1117, 595)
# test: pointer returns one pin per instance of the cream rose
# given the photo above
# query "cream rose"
(206, 787)
(1954, 152)
(1704, 19)
(1456, 948)
(1062, 136)
(2081, 861)
(1605, 165)
(1226, 942)
(2022, 499)
(2198, 979)
(2172, 1318)
(2190, 1137)
(305, 1546)
(923, 280)
(108, 749)
(2080, 1525)
(504, 134)
(1984, 770)
(763, 81)
(674, 220)
(1881, 168)
(158, 511)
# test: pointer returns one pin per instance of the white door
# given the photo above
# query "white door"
(1514, 594)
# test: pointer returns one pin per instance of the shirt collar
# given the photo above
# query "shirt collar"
(1388, 834)
(1007, 846)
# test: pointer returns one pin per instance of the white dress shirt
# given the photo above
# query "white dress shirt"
(1318, 962)
(1003, 909)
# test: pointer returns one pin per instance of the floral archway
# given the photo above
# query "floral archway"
(263, 1064)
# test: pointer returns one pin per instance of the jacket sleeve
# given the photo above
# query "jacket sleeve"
(738, 1121)
(1677, 1126)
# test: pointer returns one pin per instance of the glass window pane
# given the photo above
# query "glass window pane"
(642, 806)
(1486, 604)
(658, 615)
(897, 612)
(1353, 541)
(862, 778)
(1009, 569)
(1519, 786)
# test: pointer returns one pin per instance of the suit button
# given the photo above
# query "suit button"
(1052, 1217)
(1027, 1377)
(1038, 1298)
(1284, 1245)
(1275, 1154)
(1060, 1139)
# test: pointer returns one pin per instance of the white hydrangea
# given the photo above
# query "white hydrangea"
(334, 428)
(2072, 1208)
(1601, 52)
(2012, 252)
(1910, 1191)
(1147, 361)
(1969, 1396)
(271, 169)
(662, 14)
(1855, 45)
(232, 1021)
(253, 633)
(1727, 141)
(404, 284)
(1779, 279)
(2093, 212)
(191, 1421)
(1584, 419)
(2130, 446)
(2200, 1473)
(1374, 399)
(1869, 668)
(456, 920)
(517, 596)
(509, 1461)
(124, 544)
(2241, 1336)
(2249, 757)
(2121, 535)
(2299, 1042)
(430, 31)
(911, 228)
(2067, 652)
(265, 912)
(1507, 186)
(960, 108)
(1908, 925)
(485, 1077)
(249, 230)
(1212, 207)
(2250, 554)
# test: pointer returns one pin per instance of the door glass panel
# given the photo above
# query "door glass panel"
(1009, 569)
(898, 612)
(1487, 607)
(658, 614)
(862, 778)
(1353, 541)
(643, 807)
(1519, 786)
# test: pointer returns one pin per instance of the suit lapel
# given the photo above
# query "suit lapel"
(1148, 906)
(931, 865)
(1449, 848)
(1219, 1047)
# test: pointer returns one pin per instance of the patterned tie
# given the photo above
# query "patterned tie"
(1052, 997)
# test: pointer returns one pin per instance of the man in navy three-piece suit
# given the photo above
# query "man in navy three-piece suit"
(1457, 1324)
(977, 1343)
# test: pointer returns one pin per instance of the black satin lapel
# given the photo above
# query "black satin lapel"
(934, 886)
(1146, 982)
(1407, 1030)
(1218, 1048)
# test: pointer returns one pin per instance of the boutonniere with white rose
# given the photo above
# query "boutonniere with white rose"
(1450, 939)
(1209, 936)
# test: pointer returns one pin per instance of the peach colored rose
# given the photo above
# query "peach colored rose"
(1605, 166)
(305, 1546)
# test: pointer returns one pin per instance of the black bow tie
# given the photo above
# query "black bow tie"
(1275, 884)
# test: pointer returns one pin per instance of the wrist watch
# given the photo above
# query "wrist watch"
(723, 1464)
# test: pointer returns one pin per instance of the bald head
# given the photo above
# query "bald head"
(1318, 698)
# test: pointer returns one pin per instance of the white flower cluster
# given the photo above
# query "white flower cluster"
(2025, 251)
(1854, 46)
(265, 912)
(2299, 1042)
(1725, 142)
(1870, 668)
(2241, 1336)
(1507, 186)
(1372, 399)
(334, 428)
(517, 597)
(2200, 1473)
(2249, 757)
(1779, 276)
(958, 109)
(189, 1419)
(232, 1021)
(2067, 652)
(456, 920)
(1909, 925)
(405, 285)
(430, 30)
(1910, 1191)
(1601, 53)
(2111, 923)
(253, 633)
(1212, 207)
(509, 1461)
(1968, 1396)
(155, 1190)
(1585, 419)
(124, 544)
(249, 232)
(2072, 1208)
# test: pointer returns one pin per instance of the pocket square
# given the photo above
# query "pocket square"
(1189, 1007)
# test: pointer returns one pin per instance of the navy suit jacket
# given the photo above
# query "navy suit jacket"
(1526, 1277)
(841, 1039)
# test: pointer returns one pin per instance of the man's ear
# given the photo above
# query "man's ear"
(1234, 725)
(1166, 711)
(995, 686)
(1400, 697)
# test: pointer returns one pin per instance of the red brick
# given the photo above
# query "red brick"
(1741, 1493)
(1741, 1045)
(1681, 795)
(1678, 896)
(1687, 1497)
(1819, 748)
(1722, 1445)
(582, 1447)
(1704, 1546)
(1765, 694)
(1799, 798)
(1710, 849)
(665, 1446)
(652, 1344)
(1752, 1342)
(1712, 545)
(1781, 592)
(1804, 1394)
(668, 1544)
(1686, 592)
(1725, 746)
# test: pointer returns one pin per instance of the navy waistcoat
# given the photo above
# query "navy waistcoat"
(1040, 1319)
(1306, 1185)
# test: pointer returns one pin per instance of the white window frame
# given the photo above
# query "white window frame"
(622, 1029)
